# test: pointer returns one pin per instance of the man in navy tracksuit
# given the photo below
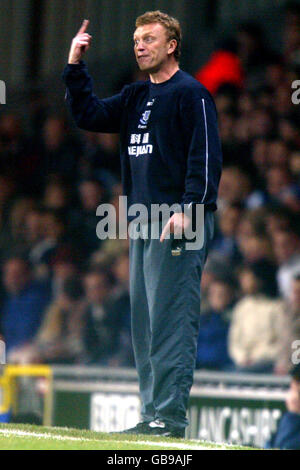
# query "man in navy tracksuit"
(170, 153)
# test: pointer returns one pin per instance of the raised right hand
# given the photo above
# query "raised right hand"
(80, 44)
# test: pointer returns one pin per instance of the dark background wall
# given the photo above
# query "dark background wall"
(35, 35)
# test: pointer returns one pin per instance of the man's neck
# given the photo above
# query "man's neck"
(165, 73)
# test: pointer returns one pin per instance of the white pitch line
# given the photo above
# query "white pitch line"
(19, 433)
(172, 445)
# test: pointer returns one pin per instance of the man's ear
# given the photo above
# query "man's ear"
(172, 46)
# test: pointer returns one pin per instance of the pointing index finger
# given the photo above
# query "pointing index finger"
(165, 231)
(83, 27)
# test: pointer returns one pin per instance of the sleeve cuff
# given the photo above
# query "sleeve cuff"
(76, 66)
(189, 209)
(73, 69)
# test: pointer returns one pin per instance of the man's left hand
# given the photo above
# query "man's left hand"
(177, 224)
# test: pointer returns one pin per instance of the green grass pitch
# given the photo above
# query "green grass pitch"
(27, 437)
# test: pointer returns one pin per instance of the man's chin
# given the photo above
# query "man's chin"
(147, 69)
(144, 67)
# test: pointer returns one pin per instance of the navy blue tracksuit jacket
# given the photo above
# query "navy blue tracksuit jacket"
(170, 148)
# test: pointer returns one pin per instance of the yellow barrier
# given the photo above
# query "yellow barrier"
(4, 386)
(8, 385)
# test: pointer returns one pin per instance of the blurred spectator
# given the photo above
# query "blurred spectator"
(101, 158)
(101, 326)
(216, 268)
(287, 435)
(287, 129)
(59, 339)
(291, 330)
(56, 195)
(283, 105)
(223, 68)
(225, 241)
(84, 219)
(212, 349)
(255, 248)
(252, 223)
(119, 305)
(252, 52)
(252, 240)
(234, 186)
(281, 188)
(260, 147)
(225, 100)
(291, 32)
(275, 72)
(33, 230)
(59, 150)
(64, 266)
(7, 194)
(294, 165)
(278, 218)
(17, 157)
(260, 123)
(110, 248)
(38, 107)
(257, 320)
(278, 153)
(50, 238)
(23, 308)
(12, 234)
(286, 245)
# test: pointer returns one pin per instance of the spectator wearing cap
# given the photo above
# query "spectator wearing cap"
(257, 320)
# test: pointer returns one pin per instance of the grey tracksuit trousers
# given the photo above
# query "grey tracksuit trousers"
(165, 305)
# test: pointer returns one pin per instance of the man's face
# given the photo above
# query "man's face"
(151, 47)
(295, 295)
(96, 288)
(90, 195)
(15, 276)
(248, 282)
(219, 296)
(293, 397)
(285, 245)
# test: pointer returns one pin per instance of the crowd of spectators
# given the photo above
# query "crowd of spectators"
(250, 289)
(64, 292)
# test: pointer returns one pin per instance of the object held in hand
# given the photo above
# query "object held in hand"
(176, 247)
